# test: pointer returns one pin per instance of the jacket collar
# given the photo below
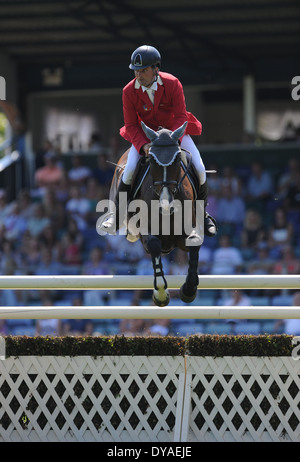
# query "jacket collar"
(159, 81)
(158, 94)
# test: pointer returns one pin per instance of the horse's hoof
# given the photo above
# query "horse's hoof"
(187, 298)
(132, 238)
(161, 303)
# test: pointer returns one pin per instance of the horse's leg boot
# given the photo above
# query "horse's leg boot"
(210, 224)
(117, 217)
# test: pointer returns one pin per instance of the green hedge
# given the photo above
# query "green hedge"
(195, 345)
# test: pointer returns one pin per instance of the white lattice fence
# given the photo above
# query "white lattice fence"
(151, 399)
(89, 399)
(243, 399)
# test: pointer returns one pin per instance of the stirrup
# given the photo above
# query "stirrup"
(210, 229)
(108, 222)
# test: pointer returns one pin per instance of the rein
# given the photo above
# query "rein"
(188, 167)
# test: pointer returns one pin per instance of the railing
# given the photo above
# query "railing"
(149, 312)
(120, 282)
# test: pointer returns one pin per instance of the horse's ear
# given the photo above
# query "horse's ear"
(179, 132)
(151, 134)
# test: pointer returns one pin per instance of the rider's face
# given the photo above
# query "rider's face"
(145, 76)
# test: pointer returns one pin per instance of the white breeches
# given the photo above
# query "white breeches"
(186, 143)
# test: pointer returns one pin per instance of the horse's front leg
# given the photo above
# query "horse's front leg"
(160, 295)
(188, 290)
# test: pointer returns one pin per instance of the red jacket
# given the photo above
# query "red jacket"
(169, 110)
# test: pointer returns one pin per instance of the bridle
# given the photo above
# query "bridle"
(165, 183)
(173, 185)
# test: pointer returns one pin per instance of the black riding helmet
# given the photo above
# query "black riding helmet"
(145, 56)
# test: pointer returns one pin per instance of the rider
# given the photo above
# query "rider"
(157, 99)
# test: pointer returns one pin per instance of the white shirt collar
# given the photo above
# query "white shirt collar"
(153, 86)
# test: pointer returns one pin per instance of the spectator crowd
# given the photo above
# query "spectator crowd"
(51, 229)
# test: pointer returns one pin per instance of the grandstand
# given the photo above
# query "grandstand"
(70, 113)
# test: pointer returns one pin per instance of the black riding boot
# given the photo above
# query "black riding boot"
(114, 219)
(210, 224)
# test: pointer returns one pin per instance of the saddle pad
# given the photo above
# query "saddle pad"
(139, 176)
(192, 177)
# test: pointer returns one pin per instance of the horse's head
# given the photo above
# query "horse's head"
(164, 156)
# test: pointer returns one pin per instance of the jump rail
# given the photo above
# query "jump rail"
(149, 312)
(121, 282)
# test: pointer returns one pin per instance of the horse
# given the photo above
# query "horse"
(165, 194)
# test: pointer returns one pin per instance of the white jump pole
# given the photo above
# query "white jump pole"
(149, 312)
(121, 282)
